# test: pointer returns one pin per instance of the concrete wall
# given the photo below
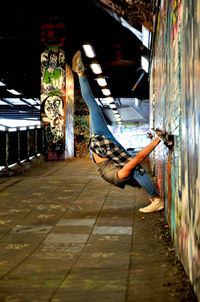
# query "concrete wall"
(175, 108)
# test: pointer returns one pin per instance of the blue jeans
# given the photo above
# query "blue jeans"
(100, 127)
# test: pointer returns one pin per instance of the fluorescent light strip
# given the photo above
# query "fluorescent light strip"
(12, 129)
(96, 68)
(146, 37)
(89, 51)
(117, 114)
(3, 103)
(112, 106)
(136, 102)
(13, 91)
(108, 100)
(102, 82)
(30, 101)
(145, 64)
(2, 128)
(106, 91)
(14, 101)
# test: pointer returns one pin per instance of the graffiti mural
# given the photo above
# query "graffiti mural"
(190, 165)
(174, 93)
(81, 127)
(53, 109)
(53, 90)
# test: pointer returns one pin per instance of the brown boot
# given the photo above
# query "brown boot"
(77, 64)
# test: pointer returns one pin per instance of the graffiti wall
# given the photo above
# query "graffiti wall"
(53, 96)
(175, 91)
(81, 127)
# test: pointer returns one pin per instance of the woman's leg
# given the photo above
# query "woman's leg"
(146, 183)
(99, 125)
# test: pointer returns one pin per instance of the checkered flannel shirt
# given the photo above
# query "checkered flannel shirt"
(104, 147)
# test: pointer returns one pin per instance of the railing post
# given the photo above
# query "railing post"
(43, 136)
(36, 142)
(7, 148)
(28, 146)
(18, 146)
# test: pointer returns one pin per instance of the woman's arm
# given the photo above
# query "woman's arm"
(127, 169)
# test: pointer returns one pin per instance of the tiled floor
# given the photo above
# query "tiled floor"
(68, 236)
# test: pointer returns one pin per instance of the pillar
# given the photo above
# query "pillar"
(53, 89)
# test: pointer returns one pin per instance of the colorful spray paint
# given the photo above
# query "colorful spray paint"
(81, 127)
(53, 89)
(175, 91)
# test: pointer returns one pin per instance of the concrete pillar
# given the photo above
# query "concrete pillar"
(81, 126)
(55, 107)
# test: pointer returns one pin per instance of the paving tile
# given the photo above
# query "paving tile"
(68, 236)
(112, 230)
(76, 222)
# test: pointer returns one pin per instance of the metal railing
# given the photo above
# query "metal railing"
(18, 144)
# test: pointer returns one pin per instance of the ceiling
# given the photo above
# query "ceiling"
(98, 22)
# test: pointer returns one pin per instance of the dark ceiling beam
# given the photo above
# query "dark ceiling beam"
(135, 12)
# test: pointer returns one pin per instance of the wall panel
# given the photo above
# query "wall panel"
(175, 108)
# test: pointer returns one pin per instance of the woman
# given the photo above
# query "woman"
(114, 163)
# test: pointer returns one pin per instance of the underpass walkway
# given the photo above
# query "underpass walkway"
(68, 236)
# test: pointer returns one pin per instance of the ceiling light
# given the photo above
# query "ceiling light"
(30, 101)
(109, 100)
(101, 82)
(2, 84)
(145, 64)
(89, 51)
(13, 91)
(96, 68)
(98, 102)
(106, 91)
(12, 129)
(118, 119)
(146, 37)
(136, 102)
(112, 106)
(18, 123)
(3, 103)
(14, 101)
(2, 128)
(117, 114)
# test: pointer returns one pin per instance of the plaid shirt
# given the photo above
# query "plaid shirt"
(104, 147)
